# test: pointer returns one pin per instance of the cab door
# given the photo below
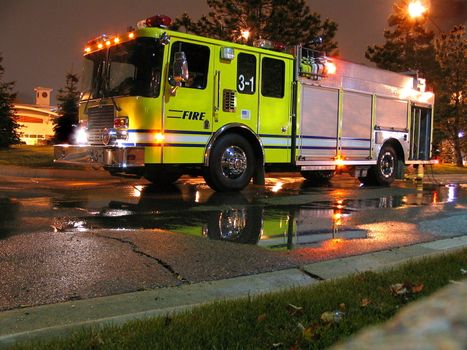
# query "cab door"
(236, 89)
(275, 108)
(187, 116)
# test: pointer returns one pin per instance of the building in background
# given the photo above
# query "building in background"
(37, 120)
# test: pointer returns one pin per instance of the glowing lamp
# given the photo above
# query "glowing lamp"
(416, 9)
(160, 21)
(116, 40)
(100, 46)
(87, 49)
(131, 35)
(331, 68)
(81, 136)
(159, 137)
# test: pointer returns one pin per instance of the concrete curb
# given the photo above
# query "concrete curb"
(27, 324)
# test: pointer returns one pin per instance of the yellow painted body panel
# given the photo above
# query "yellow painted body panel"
(153, 155)
(186, 134)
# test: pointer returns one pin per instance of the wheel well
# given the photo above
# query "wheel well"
(395, 144)
(248, 135)
(397, 147)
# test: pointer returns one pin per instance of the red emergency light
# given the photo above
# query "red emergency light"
(161, 21)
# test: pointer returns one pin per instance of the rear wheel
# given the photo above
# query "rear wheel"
(384, 172)
(231, 164)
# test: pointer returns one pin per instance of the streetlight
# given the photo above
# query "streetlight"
(417, 9)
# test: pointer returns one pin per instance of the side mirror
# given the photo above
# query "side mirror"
(180, 71)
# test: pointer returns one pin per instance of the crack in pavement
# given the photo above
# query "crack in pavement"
(162, 263)
(312, 275)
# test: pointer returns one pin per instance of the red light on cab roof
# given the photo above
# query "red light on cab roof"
(161, 21)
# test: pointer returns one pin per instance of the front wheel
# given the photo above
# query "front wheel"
(231, 164)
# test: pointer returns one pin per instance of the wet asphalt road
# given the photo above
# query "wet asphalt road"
(63, 240)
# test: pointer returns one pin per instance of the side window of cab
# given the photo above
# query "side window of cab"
(197, 57)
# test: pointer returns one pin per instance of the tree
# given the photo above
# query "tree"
(287, 21)
(451, 52)
(8, 125)
(409, 45)
(68, 98)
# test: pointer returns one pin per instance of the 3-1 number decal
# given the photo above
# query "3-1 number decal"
(246, 84)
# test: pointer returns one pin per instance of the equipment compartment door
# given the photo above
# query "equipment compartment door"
(356, 125)
(318, 123)
(420, 133)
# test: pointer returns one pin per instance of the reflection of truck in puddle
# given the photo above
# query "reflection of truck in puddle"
(281, 229)
(237, 218)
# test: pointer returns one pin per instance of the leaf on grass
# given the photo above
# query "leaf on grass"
(342, 307)
(294, 310)
(295, 346)
(365, 302)
(310, 333)
(261, 317)
(417, 288)
(277, 345)
(463, 271)
(398, 289)
(332, 316)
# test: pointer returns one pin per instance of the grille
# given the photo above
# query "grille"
(99, 118)
(230, 101)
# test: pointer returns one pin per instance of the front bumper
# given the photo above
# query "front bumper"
(103, 156)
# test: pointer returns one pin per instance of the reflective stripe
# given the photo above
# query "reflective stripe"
(274, 141)
(318, 143)
(145, 137)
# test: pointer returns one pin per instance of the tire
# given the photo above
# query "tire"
(318, 177)
(161, 177)
(384, 172)
(239, 225)
(231, 164)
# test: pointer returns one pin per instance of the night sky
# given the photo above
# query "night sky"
(43, 40)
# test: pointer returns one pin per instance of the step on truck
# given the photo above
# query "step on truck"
(160, 104)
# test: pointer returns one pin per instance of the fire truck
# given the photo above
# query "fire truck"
(161, 104)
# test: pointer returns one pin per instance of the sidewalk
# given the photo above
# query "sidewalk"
(61, 319)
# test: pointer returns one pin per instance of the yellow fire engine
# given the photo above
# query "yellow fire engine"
(159, 103)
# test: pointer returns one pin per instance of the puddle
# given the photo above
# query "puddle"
(284, 216)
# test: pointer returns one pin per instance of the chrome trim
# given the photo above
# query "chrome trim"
(233, 162)
(221, 131)
(118, 157)
(334, 162)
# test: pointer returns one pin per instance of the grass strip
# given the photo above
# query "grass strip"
(445, 169)
(301, 318)
(30, 156)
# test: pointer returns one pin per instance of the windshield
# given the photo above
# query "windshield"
(129, 69)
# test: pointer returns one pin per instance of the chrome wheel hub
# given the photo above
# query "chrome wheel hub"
(387, 164)
(233, 162)
(232, 223)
